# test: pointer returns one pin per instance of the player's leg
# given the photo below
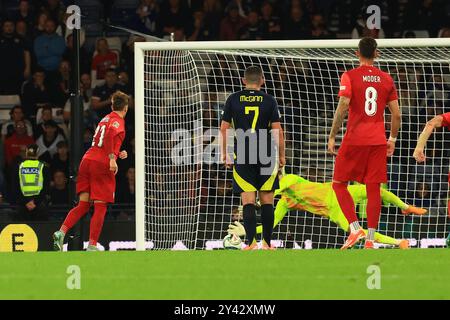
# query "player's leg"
(249, 215)
(96, 226)
(267, 217)
(373, 209)
(389, 197)
(375, 175)
(244, 182)
(267, 184)
(381, 238)
(82, 208)
(72, 218)
(103, 186)
(348, 167)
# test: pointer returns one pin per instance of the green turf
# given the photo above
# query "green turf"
(283, 274)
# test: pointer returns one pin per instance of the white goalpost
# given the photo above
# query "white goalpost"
(183, 195)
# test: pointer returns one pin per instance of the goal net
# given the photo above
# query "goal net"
(184, 195)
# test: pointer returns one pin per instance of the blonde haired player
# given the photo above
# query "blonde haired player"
(96, 180)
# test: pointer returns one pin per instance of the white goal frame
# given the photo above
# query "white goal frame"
(140, 48)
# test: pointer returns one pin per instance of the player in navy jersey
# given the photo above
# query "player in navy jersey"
(258, 151)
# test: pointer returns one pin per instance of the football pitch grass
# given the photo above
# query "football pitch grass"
(206, 275)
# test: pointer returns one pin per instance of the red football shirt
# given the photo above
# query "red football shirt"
(108, 138)
(369, 90)
(446, 122)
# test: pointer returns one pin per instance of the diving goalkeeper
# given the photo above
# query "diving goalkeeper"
(300, 194)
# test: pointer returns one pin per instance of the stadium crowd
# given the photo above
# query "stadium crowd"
(36, 49)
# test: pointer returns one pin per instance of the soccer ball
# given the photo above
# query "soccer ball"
(232, 242)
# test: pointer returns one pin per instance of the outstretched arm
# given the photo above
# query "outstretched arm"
(339, 117)
(396, 119)
(436, 122)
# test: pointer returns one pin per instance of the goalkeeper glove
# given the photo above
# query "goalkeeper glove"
(237, 229)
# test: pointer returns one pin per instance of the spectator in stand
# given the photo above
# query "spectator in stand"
(49, 47)
(25, 14)
(85, 65)
(61, 93)
(201, 31)
(16, 143)
(125, 190)
(174, 18)
(86, 93)
(59, 193)
(22, 30)
(232, 24)
(444, 33)
(56, 10)
(32, 187)
(424, 15)
(39, 28)
(48, 140)
(212, 11)
(15, 62)
(297, 25)
(35, 94)
(147, 17)
(103, 60)
(9, 127)
(271, 26)
(124, 164)
(88, 134)
(126, 193)
(127, 56)
(319, 29)
(61, 159)
(64, 32)
(101, 97)
(46, 114)
(253, 30)
(361, 30)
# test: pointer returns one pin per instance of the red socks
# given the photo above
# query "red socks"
(373, 205)
(75, 215)
(345, 201)
(97, 222)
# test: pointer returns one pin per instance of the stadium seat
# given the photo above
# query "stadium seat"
(6, 103)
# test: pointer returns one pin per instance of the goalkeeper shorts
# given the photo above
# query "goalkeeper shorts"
(254, 177)
(363, 164)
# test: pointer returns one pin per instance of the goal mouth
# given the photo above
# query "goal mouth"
(182, 87)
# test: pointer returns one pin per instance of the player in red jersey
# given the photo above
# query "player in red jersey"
(362, 157)
(96, 180)
(419, 154)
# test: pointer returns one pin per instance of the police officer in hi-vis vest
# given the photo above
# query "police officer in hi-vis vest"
(33, 187)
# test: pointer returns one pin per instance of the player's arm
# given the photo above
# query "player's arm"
(112, 143)
(396, 119)
(277, 130)
(224, 129)
(280, 143)
(436, 122)
(338, 120)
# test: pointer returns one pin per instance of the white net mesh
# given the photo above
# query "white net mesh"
(189, 203)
